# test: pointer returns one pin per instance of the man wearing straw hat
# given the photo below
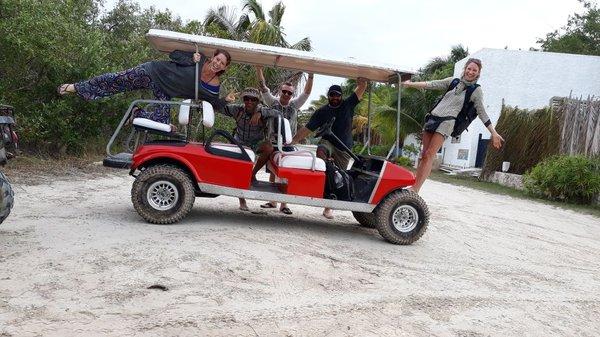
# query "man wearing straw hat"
(250, 129)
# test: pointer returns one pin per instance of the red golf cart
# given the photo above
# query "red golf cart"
(171, 170)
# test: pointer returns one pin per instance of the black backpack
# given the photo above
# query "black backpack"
(467, 114)
(338, 184)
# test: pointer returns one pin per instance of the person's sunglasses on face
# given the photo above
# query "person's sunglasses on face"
(334, 94)
(286, 92)
(251, 99)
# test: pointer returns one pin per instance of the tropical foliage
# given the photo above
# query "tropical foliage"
(256, 27)
(565, 178)
(415, 104)
(581, 35)
(46, 43)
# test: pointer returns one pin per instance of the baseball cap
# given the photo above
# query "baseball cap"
(334, 89)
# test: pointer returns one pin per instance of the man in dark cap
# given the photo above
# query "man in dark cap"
(343, 112)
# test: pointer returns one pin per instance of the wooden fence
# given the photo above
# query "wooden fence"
(579, 126)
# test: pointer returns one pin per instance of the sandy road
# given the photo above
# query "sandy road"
(75, 259)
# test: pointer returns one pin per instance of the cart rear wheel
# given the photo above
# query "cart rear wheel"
(368, 220)
(402, 217)
(162, 194)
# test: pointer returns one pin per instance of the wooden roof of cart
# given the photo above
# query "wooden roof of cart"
(269, 56)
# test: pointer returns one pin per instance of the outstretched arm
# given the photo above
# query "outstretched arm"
(309, 84)
(261, 79)
(497, 140)
(301, 99)
(361, 86)
(267, 97)
(429, 85)
(416, 85)
(477, 99)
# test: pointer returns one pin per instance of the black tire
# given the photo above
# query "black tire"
(163, 194)
(7, 197)
(402, 217)
(368, 220)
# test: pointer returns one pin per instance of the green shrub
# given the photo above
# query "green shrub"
(376, 150)
(565, 178)
(410, 150)
(404, 161)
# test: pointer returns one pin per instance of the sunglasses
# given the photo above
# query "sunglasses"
(287, 92)
(334, 94)
(251, 99)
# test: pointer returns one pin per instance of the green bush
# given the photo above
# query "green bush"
(376, 150)
(565, 178)
(404, 161)
(410, 150)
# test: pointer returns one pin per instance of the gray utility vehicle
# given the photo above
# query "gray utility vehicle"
(8, 148)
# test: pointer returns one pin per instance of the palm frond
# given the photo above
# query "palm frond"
(458, 53)
(243, 25)
(276, 14)
(224, 18)
(434, 65)
(256, 9)
(303, 44)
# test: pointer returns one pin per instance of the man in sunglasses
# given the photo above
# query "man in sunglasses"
(289, 109)
(250, 126)
(343, 112)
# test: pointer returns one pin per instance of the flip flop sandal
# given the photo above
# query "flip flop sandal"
(285, 210)
(267, 205)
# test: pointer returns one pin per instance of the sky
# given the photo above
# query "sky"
(406, 33)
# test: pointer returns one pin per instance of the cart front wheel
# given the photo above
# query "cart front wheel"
(402, 217)
(162, 194)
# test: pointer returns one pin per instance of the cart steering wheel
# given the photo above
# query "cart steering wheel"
(325, 130)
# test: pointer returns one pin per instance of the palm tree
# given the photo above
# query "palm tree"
(270, 31)
(253, 26)
(415, 103)
(224, 23)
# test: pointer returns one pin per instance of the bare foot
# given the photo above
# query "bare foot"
(243, 206)
(66, 88)
(328, 213)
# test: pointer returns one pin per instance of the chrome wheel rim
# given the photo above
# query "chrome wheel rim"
(162, 195)
(405, 218)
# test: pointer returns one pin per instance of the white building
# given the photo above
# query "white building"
(527, 79)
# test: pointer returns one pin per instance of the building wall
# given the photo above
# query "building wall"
(525, 79)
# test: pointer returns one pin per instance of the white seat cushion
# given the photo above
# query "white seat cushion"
(208, 114)
(299, 161)
(234, 149)
(150, 124)
(184, 112)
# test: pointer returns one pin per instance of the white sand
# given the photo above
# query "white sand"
(76, 259)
